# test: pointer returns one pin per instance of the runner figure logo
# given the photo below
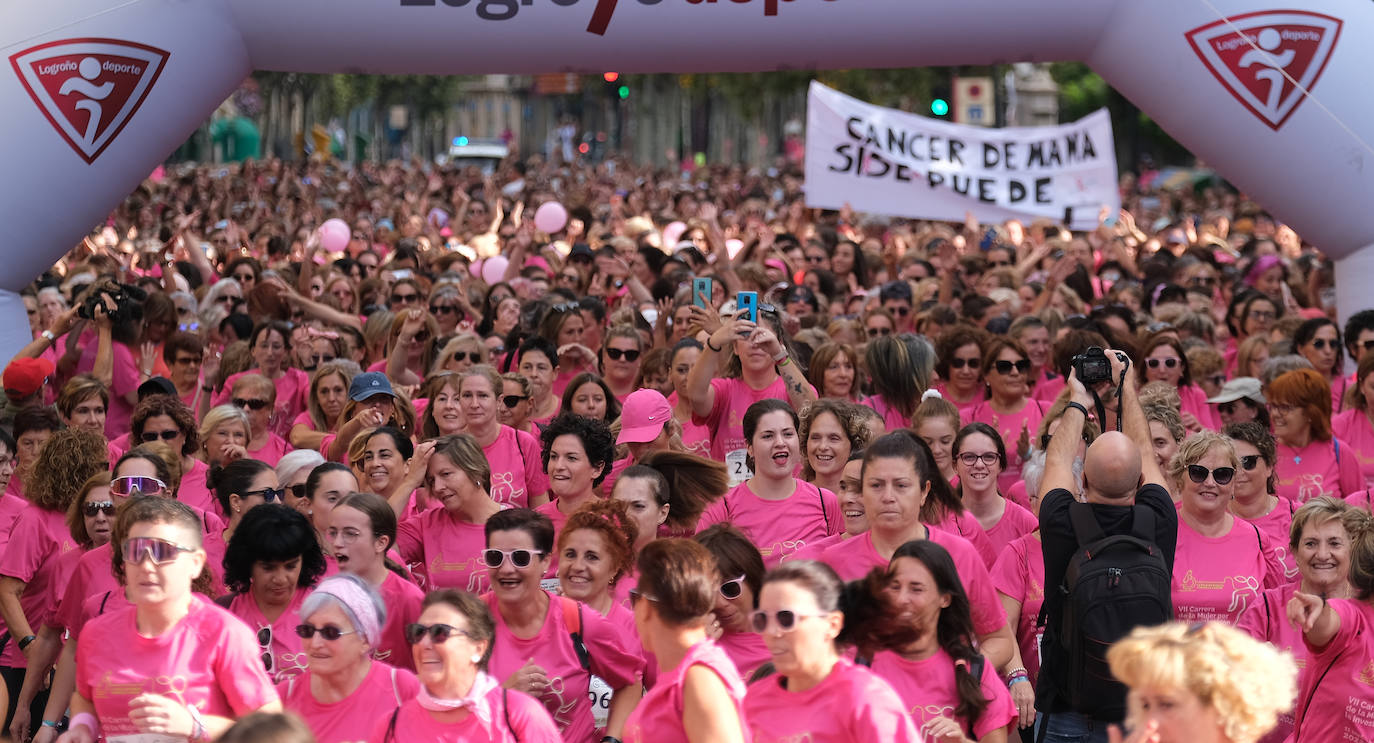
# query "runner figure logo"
(89, 88)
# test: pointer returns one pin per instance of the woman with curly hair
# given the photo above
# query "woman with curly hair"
(577, 453)
(269, 568)
(959, 362)
(830, 430)
(167, 419)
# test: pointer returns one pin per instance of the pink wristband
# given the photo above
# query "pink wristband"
(87, 719)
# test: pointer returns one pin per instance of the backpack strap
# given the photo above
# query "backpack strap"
(391, 726)
(572, 617)
(225, 601)
(1143, 523)
(976, 669)
(1085, 526)
(106, 598)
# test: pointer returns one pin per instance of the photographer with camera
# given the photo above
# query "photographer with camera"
(1109, 551)
(117, 313)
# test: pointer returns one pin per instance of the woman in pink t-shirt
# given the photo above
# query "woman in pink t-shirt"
(516, 475)
(1221, 563)
(411, 343)
(1319, 341)
(1019, 576)
(1162, 360)
(1254, 499)
(255, 395)
(173, 664)
(444, 413)
(829, 431)
(577, 453)
(836, 373)
(980, 455)
(362, 528)
(345, 690)
(1311, 462)
(741, 568)
(325, 400)
(1009, 409)
(951, 690)
(959, 362)
(696, 437)
(167, 419)
(1355, 424)
(534, 650)
(776, 511)
(459, 701)
(272, 562)
(937, 422)
(815, 694)
(271, 349)
(371, 403)
(699, 695)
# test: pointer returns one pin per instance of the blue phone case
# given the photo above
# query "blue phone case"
(749, 303)
(701, 286)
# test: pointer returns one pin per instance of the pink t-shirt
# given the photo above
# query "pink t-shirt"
(402, 599)
(1316, 470)
(965, 406)
(507, 717)
(90, 577)
(516, 469)
(288, 657)
(123, 381)
(695, 436)
(726, 420)
(382, 691)
(1193, 400)
(1267, 620)
(1018, 495)
(195, 492)
(1338, 685)
(613, 658)
(1020, 574)
(1215, 578)
(208, 659)
(1010, 425)
(39, 539)
(444, 551)
(850, 705)
(1016, 522)
(1049, 389)
(814, 550)
(1339, 384)
(1277, 527)
(1353, 428)
(10, 508)
(746, 651)
(272, 451)
(658, 716)
(893, 420)
(778, 527)
(965, 524)
(927, 688)
(292, 388)
(853, 558)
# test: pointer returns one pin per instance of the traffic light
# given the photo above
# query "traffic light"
(623, 91)
(939, 107)
(941, 93)
(611, 77)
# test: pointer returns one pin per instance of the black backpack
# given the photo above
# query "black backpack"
(1112, 585)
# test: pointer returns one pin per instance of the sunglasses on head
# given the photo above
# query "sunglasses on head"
(271, 495)
(328, 632)
(151, 436)
(1321, 344)
(241, 403)
(616, 354)
(520, 558)
(443, 309)
(91, 508)
(511, 401)
(1221, 475)
(786, 619)
(875, 332)
(1154, 363)
(438, 633)
(133, 485)
(1249, 462)
(1004, 367)
(160, 551)
(958, 363)
(731, 589)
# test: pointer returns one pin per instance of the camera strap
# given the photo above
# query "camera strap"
(1120, 384)
(1101, 409)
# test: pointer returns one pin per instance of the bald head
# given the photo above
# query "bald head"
(1112, 467)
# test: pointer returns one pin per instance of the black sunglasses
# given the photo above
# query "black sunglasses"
(461, 356)
(1221, 475)
(875, 332)
(958, 363)
(1154, 363)
(404, 298)
(265, 644)
(511, 401)
(297, 490)
(151, 436)
(1004, 367)
(442, 309)
(240, 402)
(439, 633)
(1250, 462)
(615, 354)
(271, 495)
(328, 632)
(1321, 344)
(106, 507)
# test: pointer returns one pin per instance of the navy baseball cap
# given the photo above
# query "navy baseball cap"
(367, 384)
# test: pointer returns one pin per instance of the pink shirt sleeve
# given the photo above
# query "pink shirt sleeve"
(536, 481)
(529, 718)
(613, 652)
(1352, 479)
(240, 672)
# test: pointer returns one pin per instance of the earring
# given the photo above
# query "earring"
(476, 658)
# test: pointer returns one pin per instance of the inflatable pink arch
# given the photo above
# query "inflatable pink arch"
(99, 91)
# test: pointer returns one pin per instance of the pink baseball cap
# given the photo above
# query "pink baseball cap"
(643, 416)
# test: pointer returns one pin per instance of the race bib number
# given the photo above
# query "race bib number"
(549, 584)
(738, 466)
(600, 693)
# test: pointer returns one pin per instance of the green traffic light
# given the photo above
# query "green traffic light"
(939, 107)
(624, 91)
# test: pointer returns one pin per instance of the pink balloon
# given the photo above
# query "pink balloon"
(334, 235)
(672, 233)
(494, 268)
(550, 217)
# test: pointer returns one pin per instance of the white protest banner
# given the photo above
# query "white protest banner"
(883, 161)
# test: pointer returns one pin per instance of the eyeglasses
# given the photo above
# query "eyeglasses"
(988, 458)
(731, 589)
(875, 332)
(1221, 475)
(160, 551)
(270, 495)
(443, 309)
(1004, 367)
(265, 645)
(511, 401)
(133, 485)
(346, 536)
(786, 619)
(615, 354)
(1281, 410)
(182, 360)
(1217, 379)
(635, 596)
(1169, 363)
(461, 356)
(519, 558)
(1261, 315)
(297, 490)
(1321, 344)
(1249, 462)
(328, 632)
(958, 363)
(439, 633)
(404, 298)
(241, 403)
(92, 508)
(151, 436)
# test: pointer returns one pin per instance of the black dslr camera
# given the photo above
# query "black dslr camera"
(1093, 367)
(128, 301)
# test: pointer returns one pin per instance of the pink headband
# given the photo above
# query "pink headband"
(1263, 264)
(358, 603)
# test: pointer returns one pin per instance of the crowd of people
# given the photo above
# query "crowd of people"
(699, 464)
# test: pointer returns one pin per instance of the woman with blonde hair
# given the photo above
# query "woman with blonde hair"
(224, 435)
(324, 404)
(410, 347)
(1201, 683)
(460, 353)
(937, 423)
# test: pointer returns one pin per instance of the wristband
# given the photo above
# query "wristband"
(780, 359)
(1079, 407)
(49, 723)
(26, 641)
(713, 348)
(87, 719)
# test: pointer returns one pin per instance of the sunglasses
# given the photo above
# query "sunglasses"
(566, 307)
(184, 360)
(958, 363)
(1169, 363)
(462, 356)
(328, 632)
(133, 485)
(1005, 367)
(443, 309)
(989, 458)
(271, 495)
(731, 589)
(635, 596)
(1045, 440)
(439, 633)
(151, 436)
(297, 490)
(241, 403)
(519, 558)
(404, 298)
(1250, 462)
(786, 619)
(92, 508)
(511, 401)
(160, 551)
(1321, 344)
(875, 332)
(1221, 475)
(616, 354)
(265, 645)
(1227, 408)
(900, 310)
